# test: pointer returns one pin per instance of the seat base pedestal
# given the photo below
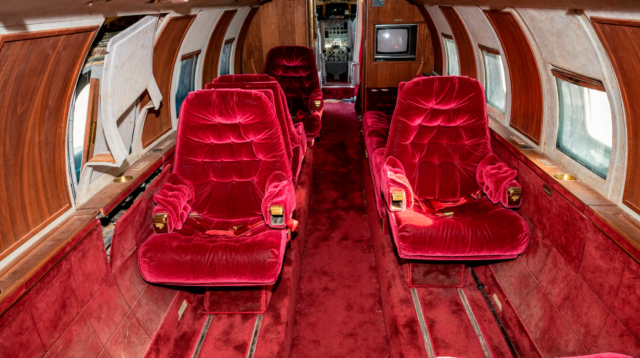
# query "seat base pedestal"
(432, 274)
(237, 300)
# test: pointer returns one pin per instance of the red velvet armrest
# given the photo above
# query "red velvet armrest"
(316, 101)
(279, 201)
(173, 202)
(498, 182)
(395, 186)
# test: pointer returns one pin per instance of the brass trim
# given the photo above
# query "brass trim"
(277, 210)
(564, 176)
(398, 200)
(160, 223)
(123, 179)
(515, 194)
(448, 214)
(317, 103)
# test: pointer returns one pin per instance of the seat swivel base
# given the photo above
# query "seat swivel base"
(433, 274)
(237, 300)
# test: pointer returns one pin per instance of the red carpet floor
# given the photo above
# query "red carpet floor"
(339, 310)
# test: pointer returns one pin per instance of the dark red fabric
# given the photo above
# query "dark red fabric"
(436, 139)
(495, 177)
(294, 67)
(175, 199)
(440, 133)
(231, 150)
(294, 134)
(478, 230)
(603, 355)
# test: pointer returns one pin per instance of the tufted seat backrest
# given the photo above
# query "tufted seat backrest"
(439, 132)
(294, 67)
(242, 78)
(229, 144)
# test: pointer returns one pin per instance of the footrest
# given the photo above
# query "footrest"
(430, 274)
(237, 300)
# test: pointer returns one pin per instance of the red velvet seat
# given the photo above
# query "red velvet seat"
(446, 194)
(293, 134)
(230, 171)
(294, 67)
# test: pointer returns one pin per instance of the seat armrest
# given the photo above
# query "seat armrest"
(279, 201)
(498, 182)
(316, 101)
(395, 186)
(173, 204)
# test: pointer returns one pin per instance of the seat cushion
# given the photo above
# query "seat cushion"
(190, 258)
(312, 123)
(478, 230)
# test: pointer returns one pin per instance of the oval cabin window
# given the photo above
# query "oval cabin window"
(585, 124)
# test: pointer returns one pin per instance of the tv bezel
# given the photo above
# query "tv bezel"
(408, 55)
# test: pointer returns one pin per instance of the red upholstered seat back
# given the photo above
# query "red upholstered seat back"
(229, 143)
(294, 67)
(439, 132)
(251, 82)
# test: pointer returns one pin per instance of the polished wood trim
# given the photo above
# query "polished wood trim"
(242, 36)
(526, 85)
(190, 55)
(165, 55)
(229, 41)
(466, 54)
(489, 49)
(36, 93)
(110, 196)
(214, 48)
(436, 45)
(447, 36)
(577, 79)
(92, 121)
(621, 40)
(102, 158)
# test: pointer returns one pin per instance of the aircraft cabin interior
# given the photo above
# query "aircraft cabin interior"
(320, 178)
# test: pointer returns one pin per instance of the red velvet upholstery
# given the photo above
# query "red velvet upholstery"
(294, 67)
(294, 135)
(437, 151)
(231, 153)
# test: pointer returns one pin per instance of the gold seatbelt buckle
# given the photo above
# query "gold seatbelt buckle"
(160, 223)
(277, 214)
(515, 194)
(398, 200)
(239, 229)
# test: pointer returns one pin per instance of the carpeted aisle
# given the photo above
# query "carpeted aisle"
(339, 310)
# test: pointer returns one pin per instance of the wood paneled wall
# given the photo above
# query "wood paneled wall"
(165, 53)
(38, 74)
(390, 74)
(436, 44)
(466, 54)
(526, 85)
(242, 36)
(214, 48)
(621, 39)
(277, 23)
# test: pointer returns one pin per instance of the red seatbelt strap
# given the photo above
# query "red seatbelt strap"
(435, 206)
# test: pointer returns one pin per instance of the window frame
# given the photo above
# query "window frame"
(194, 75)
(231, 43)
(446, 53)
(495, 112)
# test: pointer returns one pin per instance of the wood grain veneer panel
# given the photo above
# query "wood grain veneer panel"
(165, 53)
(38, 74)
(621, 39)
(237, 59)
(436, 45)
(526, 85)
(214, 48)
(466, 54)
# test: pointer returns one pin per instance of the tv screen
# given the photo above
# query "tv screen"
(396, 42)
(392, 41)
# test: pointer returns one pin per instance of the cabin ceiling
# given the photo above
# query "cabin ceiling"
(624, 5)
(24, 12)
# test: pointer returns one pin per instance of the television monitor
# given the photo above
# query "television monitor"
(396, 42)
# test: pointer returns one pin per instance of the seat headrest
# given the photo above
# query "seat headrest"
(242, 78)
